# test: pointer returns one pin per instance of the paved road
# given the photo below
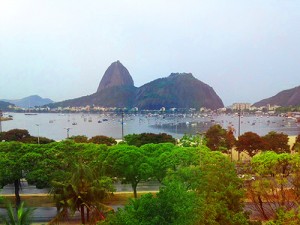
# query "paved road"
(44, 214)
(30, 189)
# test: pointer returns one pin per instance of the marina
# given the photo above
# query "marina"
(56, 125)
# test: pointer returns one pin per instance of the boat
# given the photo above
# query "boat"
(74, 123)
(30, 114)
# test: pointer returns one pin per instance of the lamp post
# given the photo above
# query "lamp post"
(1, 114)
(68, 131)
(122, 124)
(239, 130)
(38, 128)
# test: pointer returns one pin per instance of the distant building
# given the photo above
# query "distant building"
(241, 106)
(272, 107)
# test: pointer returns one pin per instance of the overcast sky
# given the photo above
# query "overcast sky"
(246, 50)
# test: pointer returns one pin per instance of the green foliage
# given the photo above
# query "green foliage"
(128, 163)
(83, 191)
(189, 140)
(148, 138)
(100, 139)
(296, 146)
(218, 189)
(285, 109)
(15, 135)
(21, 135)
(216, 138)
(173, 205)
(276, 184)
(201, 190)
(277, 142)
(79, 139)
(271, 163)
(283, 217)
(22, 217)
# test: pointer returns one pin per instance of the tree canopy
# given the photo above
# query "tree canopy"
(148, 138)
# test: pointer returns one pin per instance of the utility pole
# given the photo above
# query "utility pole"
(1, 114)
(68, 131)
(122, 124)
(38, 127)
(239, 130)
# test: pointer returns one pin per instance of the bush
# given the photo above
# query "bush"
(148, 138)
(100, 139)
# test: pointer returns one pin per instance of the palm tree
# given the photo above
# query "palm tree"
(22, 217)
(83, 192)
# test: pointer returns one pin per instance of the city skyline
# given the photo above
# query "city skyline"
(246, 51)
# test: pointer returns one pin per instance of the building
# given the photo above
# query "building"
(241, 106)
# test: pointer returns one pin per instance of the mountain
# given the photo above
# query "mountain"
(115, 75)
(30, 101)
(290, 97)
(116, 89)
(179, 90)
(118, 96)
(4, 105)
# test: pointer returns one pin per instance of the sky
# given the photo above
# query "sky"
(247, 50)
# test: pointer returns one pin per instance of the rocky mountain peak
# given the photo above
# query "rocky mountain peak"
(115, 75)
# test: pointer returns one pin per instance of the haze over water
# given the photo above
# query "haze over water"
(54, 125)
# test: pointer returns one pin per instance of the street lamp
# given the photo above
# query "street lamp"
(239, 130)
(68, 131)
(122, 124)
(1, 114)
(38, 127)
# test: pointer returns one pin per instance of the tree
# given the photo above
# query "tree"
(296, 146)
(172, 205)
(230, 140)
(219, 190)
(79, 139)
(22, 217)
(277, 142)
(189, 140)
(128, 163)
(276, 184)
(208, 193)
(148, 138)
(84, 192)
(16, 135)
(216, 138)
(166, 156)
(11, 167)
(289, 217)
(100, 139)
(21, 135)
(158, 158)
(249, 142)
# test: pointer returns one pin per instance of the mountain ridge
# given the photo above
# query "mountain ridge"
(30, 101)
(178, 90)
(289, 97)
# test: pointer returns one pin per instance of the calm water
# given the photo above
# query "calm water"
(54, 126)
